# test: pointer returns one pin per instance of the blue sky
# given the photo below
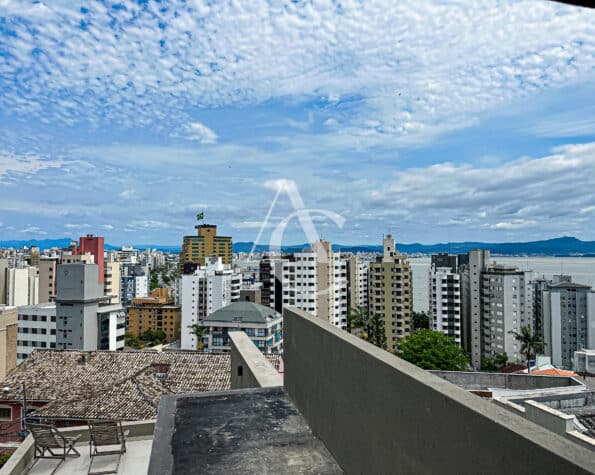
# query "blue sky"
(436, 121)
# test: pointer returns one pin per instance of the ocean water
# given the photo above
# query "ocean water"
(582, 270)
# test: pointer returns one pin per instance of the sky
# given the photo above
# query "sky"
(432, 120)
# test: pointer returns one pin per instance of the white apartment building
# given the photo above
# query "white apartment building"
(506, 305)
(36, 329)
(316, 282)
(568, 321)
(208, 289)
(22, 286)
(445, 301)
(357, 275)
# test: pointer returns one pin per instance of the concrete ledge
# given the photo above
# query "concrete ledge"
(377, 413)
(22, 458)
(249, 367)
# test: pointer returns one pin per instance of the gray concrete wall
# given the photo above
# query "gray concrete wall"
(249, 367)
(477, 380)
(379, 414)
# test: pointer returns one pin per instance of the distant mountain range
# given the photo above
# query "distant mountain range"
(563, 246)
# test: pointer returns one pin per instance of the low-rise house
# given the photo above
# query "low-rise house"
(262, 324)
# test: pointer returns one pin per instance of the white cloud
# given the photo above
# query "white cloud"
(33, 230)
(77, 226)
(251, 225)
(393, 70)
(25, 164)
(201, 133)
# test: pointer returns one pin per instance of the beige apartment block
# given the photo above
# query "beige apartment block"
(390, 292)
(47, 279)
(9, 325)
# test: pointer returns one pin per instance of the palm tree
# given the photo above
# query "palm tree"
(198, 331)
(531, 343)
(376, 332)
(357, 319)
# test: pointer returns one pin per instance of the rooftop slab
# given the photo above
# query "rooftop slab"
(135, 460)
(244, 431)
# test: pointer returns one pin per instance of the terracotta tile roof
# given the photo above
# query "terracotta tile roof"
(114, 385)
(553, 372)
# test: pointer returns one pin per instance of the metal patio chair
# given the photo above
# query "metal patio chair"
(103, 434)
(49, 440)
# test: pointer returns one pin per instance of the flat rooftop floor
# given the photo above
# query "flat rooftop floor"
(250, 431)
(134, 461)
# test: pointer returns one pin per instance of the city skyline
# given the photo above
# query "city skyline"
(439, 121)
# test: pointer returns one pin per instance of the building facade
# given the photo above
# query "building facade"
(208, 289)
(196, 249)
(37, 329)
(8, 340)
(506, 305)
(357, 282)
(445, 300)
(391, 293)
(568, 321)
(262, 324)
(47, 279)
(155, 312)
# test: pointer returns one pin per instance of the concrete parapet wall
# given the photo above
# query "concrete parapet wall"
(376, 413)
(249, 367)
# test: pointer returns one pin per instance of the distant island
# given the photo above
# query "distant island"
(566, 246)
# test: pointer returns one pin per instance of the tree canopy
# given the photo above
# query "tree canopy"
(433, 350)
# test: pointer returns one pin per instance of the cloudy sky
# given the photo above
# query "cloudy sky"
(433, 120)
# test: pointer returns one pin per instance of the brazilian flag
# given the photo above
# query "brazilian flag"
(200, 216)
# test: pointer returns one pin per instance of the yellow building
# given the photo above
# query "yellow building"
(390, 292)
(156, 312)
(195, 249)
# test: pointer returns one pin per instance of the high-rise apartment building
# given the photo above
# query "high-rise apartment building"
(271, 277)
(83, 321)
(391, 292)
(471, 289)
(506, 305)
(207, 289)
(8, 340)
(112, 281)
(47, 279)
(357, 282)
(134, 283)
(568, 316)
(445, 296)
(22, 286)
(196, 249)
(315, 281)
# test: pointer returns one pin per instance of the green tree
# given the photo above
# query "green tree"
(375, 331)
(357, 318)
(367, 327)
(531, 343)
(433, 350)
(198, 331)
(420, 320)
(154, 280)
(494, 364)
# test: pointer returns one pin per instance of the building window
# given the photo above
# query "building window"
(5, 413)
